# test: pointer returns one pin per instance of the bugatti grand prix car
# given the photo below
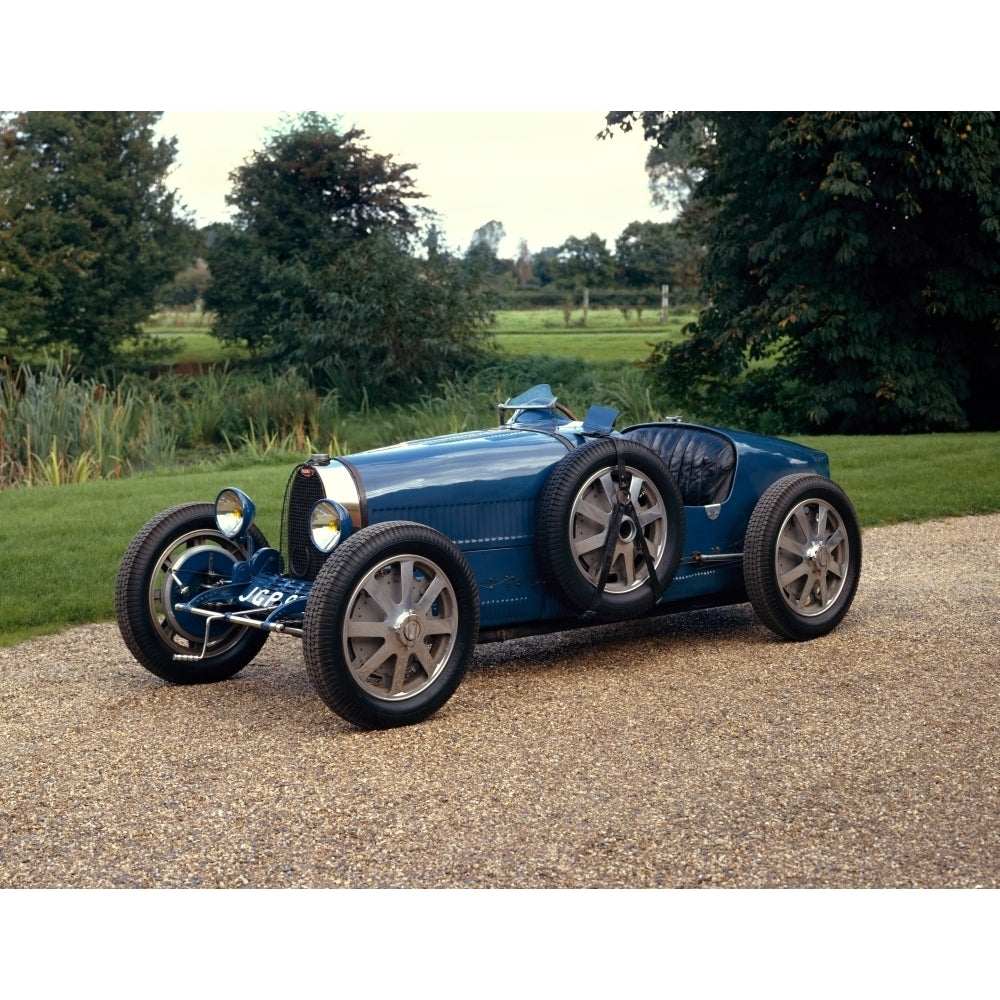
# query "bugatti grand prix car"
(394, 563)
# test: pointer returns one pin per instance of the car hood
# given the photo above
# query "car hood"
(456, 483)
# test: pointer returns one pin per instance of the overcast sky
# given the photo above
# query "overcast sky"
(543, 175)
(488, 153)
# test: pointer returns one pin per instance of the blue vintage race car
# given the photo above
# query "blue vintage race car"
(394, 563)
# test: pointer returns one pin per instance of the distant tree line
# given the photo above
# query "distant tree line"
(645, 256)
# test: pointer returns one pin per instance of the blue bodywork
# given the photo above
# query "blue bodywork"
(480, 488)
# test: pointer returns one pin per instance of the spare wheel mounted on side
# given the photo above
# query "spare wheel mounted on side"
(609, 528)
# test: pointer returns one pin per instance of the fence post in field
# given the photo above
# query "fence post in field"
(586, 304)
(664, 302)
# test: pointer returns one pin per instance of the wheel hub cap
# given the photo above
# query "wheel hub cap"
(407, 628)
(819, 555)
(400, 628)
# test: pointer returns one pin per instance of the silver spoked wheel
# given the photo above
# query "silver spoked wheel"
(590, 521)
(812, 557)
(391, 624)
(802, 556)
(400, 627)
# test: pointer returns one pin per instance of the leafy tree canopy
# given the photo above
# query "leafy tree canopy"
(88, 229)
(853, 266)
(483, 250)
(318, 268)
(384, 324)
(314, 189)
(655, 253)
(545, 265)
(487, 238)
(585, 262)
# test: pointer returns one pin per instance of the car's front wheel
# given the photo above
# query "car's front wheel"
(390, 625)
(802, 556)
(175, 556)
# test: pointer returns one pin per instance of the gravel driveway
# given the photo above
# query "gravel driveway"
(694, 750)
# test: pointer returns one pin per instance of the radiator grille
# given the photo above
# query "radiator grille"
(300, 556)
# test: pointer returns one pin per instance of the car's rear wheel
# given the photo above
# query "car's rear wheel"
(175, 556)
(390, 625)
(609, 528)
(802, 556)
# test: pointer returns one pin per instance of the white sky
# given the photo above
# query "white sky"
(543, 175)
(456, 89)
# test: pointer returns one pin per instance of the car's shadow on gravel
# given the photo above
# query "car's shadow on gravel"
(529, 653)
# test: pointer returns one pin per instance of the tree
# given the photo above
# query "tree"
(654, 253)
(186, 287)
(300, 201)
(88, 229)
(314, 189)
(381, 322)
(523, 270)
(853, 266)
(545, 265)
(486, 240)
(317, 267)
(672, 168)
(482, 254)
(585, 263)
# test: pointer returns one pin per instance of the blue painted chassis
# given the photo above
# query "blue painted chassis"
(479, 489)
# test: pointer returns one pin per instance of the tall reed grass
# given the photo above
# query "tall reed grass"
(56, 428)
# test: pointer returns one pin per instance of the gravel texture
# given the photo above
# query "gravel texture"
(692, 750)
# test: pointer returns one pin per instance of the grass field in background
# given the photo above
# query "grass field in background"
(598, 321)
(196, 347)
(608, 335)
(599, 347)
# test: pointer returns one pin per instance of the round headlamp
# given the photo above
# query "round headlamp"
(234, 512)
(329, 523)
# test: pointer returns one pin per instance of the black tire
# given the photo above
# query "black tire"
(181, 548)
(390, 625)
(574, 511)
(802, 556)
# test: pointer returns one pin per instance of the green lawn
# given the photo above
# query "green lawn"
(594, 347)
(598, 321)
(197, 346)
(60, 545)
(608, 336)
(916, 477)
